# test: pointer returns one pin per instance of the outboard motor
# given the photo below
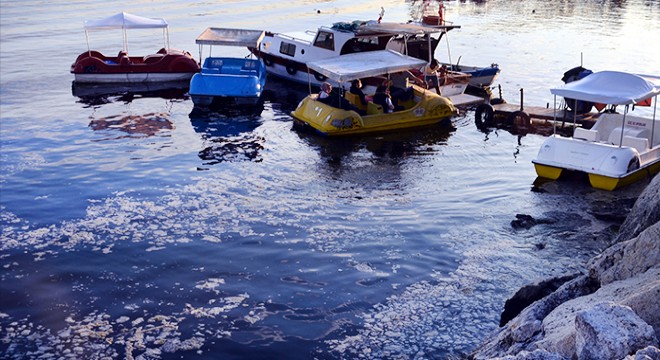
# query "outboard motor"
(571, 75)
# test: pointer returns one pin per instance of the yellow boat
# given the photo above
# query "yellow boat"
(425, 107)
(619, 149)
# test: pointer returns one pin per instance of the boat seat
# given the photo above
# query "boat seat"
(585, 134)
(641, 144)
(615, 135)
(374, 109)
(153, 58)
(355, 100)
(125, 61)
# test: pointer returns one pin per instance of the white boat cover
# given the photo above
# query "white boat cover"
(364, 64)
(230, 37)
(611, 87)
(403, 29)
(125, 20)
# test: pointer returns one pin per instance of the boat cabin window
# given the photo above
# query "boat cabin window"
(288, 48)
(325, 40)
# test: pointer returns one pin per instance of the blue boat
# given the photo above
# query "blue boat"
(232, 80)
(480, 76)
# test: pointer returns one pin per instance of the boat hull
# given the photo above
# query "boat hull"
(611, 183)
(228, 80)
(331, 121)
(479, 76)
(608, 166)
(172, 65)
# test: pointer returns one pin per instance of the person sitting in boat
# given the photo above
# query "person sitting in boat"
(382, 97)
(334, 99)
(356, 88)
(397, 84)
(430, 73)
(326, 90)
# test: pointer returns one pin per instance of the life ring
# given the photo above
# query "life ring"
(268, 60)
(483, 115)
(519, 120)
(291, 68)
(320, 77)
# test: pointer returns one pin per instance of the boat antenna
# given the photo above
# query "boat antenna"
(448, 47)
(581, 59)
(87, 40)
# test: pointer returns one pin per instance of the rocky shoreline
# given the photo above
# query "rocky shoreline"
(611, 312)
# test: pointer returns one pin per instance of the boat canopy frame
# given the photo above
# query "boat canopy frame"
(124, 21)
(612, 88)
(213, 36)
(349, 67)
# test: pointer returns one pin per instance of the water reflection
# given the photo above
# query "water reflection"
(393, 146)
(228, 136)
(134, 125)
(99, 94)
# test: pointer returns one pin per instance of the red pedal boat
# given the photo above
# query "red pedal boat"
(165, 65)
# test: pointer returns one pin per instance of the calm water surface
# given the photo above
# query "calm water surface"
(133, 228)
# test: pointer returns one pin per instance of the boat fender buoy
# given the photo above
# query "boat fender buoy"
(518, 119)
(291, 69)
(268, 60)
(484, 114)
(320, 77)
(497, 101)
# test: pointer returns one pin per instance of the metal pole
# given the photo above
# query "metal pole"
(575, 115)
(554, 116)
(655, 106)
(623, 124)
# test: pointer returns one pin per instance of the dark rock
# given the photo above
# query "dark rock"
(529, 294)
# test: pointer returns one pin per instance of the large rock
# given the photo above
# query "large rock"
(610, 331)
(628, 258)
(644, 213)
(647, 353)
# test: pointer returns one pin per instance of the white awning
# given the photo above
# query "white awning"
(611, 87)
(364, 64)
(230, 37)
(125, 21)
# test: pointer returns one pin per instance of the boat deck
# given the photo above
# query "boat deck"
(544, 113)
(465, 99)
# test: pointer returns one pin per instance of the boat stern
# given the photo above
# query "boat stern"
(436, 106)
(326, 119)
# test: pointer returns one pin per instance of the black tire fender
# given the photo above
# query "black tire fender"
(484, 115)
(519, 119)
(291, 68)
(320, 77)
(268, 61)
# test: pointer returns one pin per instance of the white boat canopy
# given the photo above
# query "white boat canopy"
(230, 37)
(611, 87)
(353, 66)
(125, 21)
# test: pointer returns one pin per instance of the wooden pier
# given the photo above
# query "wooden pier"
(499, 113)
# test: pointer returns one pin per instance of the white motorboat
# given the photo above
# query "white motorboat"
(286, 54)
(620, 148)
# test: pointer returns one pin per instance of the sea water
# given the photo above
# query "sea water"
(133, 227)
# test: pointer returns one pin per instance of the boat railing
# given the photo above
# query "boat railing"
(291, 37)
